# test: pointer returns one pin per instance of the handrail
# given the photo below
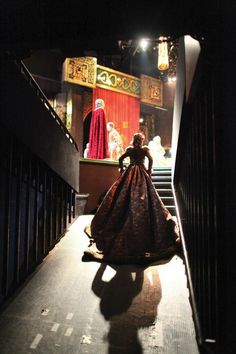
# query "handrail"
(24, 71)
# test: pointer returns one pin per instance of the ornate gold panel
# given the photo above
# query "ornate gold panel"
(151, 91)
(116, 81)
(81, 71)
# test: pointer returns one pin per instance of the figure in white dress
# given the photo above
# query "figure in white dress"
(158, 152)
(115, 143)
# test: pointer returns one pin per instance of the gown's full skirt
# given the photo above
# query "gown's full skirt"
(132, 224)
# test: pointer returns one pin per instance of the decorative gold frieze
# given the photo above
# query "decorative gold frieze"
(84, 71)
(151, 91)
(116, 81)
(81, 71)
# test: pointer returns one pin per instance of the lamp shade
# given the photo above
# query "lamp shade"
(163, 57)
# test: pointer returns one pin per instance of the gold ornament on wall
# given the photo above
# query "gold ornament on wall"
(151, 91)
(117, 81)
(81, 71)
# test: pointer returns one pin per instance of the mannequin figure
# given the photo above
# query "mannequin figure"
(86, 150)
(157, 151)
(115, 143)
(98, 137)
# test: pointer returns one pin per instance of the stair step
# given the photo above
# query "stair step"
(167, 200)
(153, 175)
(161, 169)
(171, 209)
(167, 204)
(164, 190)
(161, 181)
(161, 178)
(164, 184)
(161, 173)
(163, 195)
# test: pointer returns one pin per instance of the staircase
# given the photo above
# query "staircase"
(161, 178)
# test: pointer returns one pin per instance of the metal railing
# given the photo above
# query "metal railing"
(30, 79)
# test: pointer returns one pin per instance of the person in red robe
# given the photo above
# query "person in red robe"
(98, 136)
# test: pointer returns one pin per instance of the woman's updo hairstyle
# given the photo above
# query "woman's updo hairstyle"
(138, 137)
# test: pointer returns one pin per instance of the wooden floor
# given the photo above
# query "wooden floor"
(73, 307)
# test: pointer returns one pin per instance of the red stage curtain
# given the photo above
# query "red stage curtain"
(123, 110)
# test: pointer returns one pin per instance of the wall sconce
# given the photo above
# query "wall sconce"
(163, 57)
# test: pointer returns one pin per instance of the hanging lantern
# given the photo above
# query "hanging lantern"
(163, 57)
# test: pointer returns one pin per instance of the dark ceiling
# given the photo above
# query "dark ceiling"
(79, 28)
(75, 26)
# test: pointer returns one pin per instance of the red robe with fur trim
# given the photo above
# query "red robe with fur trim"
(98, 136)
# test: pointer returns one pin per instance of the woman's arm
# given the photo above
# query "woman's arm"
(121, 159)
(150, 160)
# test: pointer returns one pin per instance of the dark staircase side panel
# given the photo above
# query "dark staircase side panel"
(27, 114)
(39, 179)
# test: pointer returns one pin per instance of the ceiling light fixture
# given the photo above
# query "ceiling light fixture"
(163, 56)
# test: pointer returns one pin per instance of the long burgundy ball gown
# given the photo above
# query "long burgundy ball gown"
(132, 225)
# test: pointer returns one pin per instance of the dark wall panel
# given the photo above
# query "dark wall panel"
(30, 220)
(204, 183)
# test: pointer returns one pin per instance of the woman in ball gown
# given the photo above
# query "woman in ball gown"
(132, 225)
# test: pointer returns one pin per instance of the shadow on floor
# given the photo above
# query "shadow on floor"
(129, 301)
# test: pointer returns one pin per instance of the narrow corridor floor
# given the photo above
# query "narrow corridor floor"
(73, 307)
